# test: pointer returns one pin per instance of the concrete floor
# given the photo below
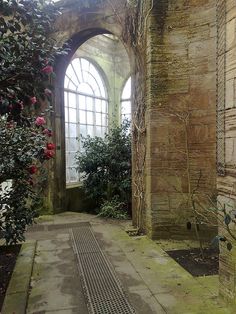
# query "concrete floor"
(153, 282)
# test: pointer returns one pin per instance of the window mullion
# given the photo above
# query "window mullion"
(78, 128)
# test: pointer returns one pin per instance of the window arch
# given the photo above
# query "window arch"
(86, 109)
(126, 101)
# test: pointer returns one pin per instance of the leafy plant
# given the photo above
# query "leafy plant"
(27, 55)
(113, 209)
(105, 165)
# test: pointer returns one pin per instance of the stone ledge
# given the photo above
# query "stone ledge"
(17, 292)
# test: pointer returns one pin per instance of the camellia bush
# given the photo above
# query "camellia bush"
(27, 56)
(105, 165)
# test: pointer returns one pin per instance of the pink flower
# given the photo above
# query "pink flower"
(47, 69)
(48, 154)
(33, 100)
(31, 182)
(32, 169)
(47, 132)
(51, 146)
(40, 121)
(47, 92)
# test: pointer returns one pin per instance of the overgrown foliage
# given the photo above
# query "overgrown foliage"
(105, 165)
(27, 54)
(113, 209)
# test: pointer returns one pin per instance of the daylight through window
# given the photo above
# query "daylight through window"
(86, 109)
(126, 101)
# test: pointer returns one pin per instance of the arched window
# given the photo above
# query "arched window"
(126, 101)
(86, 109)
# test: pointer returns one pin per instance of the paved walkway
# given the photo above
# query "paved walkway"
(152, 281)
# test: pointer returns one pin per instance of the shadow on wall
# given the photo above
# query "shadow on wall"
(76, 201)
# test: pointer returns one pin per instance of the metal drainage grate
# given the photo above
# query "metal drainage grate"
(101, 286)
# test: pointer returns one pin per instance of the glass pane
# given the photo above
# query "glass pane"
(90, 117)
(98, 131)
(83, 130)
(73, 145)
(89, 103)
(72, 86)
(66, 115)
(67, 144)
(104, 106)
(90, 130)
(70, 72)
(72, 115)
(73, 175)
(101, 86)
(82, 116)
(126, 117)
(84, 88)
(66, 130)
(77, 67)
(126, 107)
(98, 118)
(72, 100)
(66, 82)
(82, 103)
(67, 175)
(72, 160)
(72, 130)
(98, 105)
(104, 119)
(126, 94)
(65, 99)
(104, 130)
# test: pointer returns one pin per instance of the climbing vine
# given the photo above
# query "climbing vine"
(135, 35)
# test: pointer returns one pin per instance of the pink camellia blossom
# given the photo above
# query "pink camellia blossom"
(40, 121)
(47, 92)
(51, 146)
(48, 154)
(47, 132)
(31, 182)
(33, 100)
(32, 169)
(47, 69)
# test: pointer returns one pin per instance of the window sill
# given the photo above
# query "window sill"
(74, 185)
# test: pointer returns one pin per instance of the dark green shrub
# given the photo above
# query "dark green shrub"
(105, 165)
(113, 209)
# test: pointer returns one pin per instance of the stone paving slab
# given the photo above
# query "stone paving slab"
(17, 292)
(55, 280)
(173, 288)
(152, 280)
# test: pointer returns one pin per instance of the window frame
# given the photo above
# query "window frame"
(98, 94)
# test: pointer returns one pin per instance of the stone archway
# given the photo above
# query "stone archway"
(75, 31)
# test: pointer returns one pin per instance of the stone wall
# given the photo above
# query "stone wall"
(181, 80)
(172, 51)
(226, 183)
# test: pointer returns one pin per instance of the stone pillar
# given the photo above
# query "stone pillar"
(181, 73)
(226, 137)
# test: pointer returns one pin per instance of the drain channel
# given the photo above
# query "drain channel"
(101, 286)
